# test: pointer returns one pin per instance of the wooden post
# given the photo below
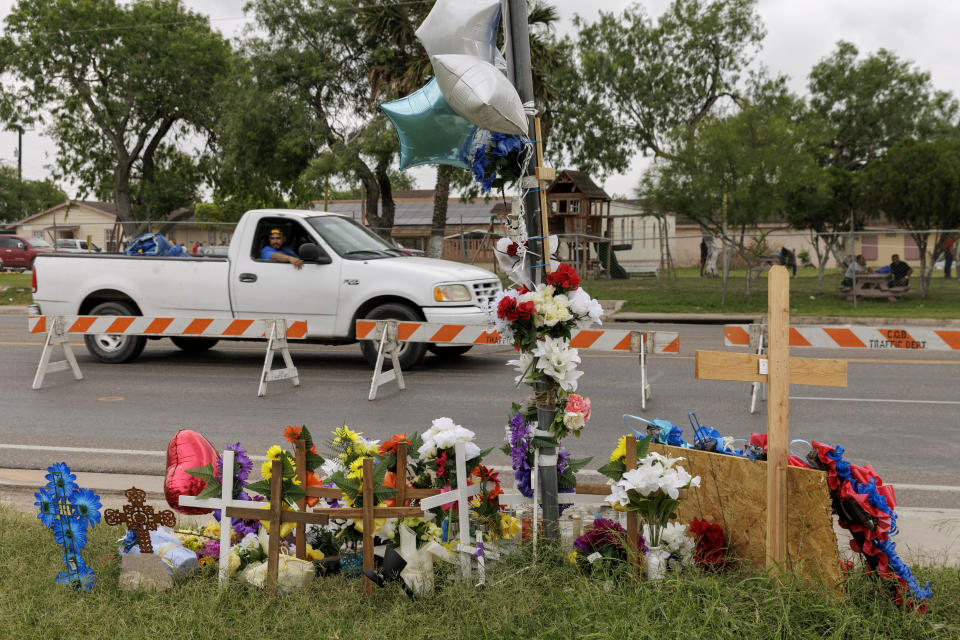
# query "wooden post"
(276, 521)
(402, 474)
(301, 458)
(368, 524)
(778, 412)
(633, 524)
(543, 174)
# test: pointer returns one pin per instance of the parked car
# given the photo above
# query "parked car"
(75, 245)
(349, 273)
(18, 252)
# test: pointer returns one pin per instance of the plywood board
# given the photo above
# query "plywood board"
(733, 494)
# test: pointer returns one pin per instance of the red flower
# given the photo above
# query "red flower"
(523, 289)
(711, 543)
(512, 249)
(506, 308)
(525, 310)
(565, 278)
(292, 434)
(313, 480)
(442, 465)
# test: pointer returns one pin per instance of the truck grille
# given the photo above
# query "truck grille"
(485, 291)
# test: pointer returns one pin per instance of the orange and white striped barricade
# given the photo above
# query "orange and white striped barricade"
(276, 331)
(390, 333)
(845, 337)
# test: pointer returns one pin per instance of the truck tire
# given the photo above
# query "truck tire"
(110, 348)
(194, 345)
(411, 353)
(449, 351)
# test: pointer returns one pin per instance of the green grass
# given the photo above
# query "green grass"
(689, 293)
(547, 600)
(15, 289)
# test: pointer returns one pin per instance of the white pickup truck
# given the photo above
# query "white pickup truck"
(349, 273)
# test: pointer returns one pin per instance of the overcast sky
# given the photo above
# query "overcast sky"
(798, 35)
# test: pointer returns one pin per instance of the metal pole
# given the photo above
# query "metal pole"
(517, 38)
(853, 254)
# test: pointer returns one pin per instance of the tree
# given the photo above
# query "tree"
(635, 82)
(20, 200)
(917, 185)
(114, 81)
(859, 108)
(735, 171)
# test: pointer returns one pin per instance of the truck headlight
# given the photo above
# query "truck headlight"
(451, 293)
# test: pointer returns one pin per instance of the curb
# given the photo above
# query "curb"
(12, 310)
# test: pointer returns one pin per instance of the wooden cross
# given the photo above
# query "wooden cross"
(276, 516)
(139, 518)
(778, 370)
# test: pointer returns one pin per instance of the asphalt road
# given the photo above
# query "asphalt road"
(900, 412)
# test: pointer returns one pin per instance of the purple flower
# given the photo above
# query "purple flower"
(479, 552)
(209, 548)
(521, 453)
(563, 459)
(605, 533)
(242, 465)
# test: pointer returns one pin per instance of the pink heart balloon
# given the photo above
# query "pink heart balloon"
(187, 450)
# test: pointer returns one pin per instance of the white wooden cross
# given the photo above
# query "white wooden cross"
(461, 495)
(226, 500)
(778, 370)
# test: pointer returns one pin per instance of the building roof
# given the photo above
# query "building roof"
(108, 209)
(584, 184)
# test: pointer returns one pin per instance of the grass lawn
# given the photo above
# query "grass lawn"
(548, 600)
(15, 288)
(689, 293)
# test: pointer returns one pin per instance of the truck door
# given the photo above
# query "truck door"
(263, 288)
(14, 252)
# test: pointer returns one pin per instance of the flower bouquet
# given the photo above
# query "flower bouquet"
(498, 160)
(602, 548)
(653, 491)
(711, 549)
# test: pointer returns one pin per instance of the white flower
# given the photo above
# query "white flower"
(444, 433)
(330, 466)
(573, 420)
(557, 360)
(388, 529)
(676, 540)
(524, 367)
(586, 309)
(654, 473)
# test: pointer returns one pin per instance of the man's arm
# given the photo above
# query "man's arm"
(269, 253)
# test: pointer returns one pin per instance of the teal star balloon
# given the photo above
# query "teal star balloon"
(429, 130)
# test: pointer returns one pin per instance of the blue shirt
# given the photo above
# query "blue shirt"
(268, 252)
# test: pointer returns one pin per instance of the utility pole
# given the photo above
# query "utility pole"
(517, 41)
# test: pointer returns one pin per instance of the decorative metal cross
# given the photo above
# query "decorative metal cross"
(779, 371)
(140, 518)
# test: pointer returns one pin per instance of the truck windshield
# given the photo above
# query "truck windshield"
(352, 240)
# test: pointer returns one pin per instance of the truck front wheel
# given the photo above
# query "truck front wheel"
(114, 348)
(410, 353)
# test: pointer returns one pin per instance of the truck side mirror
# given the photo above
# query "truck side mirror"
(310, 252)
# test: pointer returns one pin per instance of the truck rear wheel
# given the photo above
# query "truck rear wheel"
(114, 348)
(410, 353)
(194, 345)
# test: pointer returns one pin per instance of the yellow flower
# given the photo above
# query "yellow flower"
(206, 560)
(356, 469)
(476, 501)
(572, 558)
(273, 453)
(621, 451)
(313, 554)
(233, 563)
(265, 470)
(191, 542)
(212, 530)
(343, 435)
(509, 526)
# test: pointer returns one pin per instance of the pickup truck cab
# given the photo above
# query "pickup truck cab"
(75, 245)
(349, 273)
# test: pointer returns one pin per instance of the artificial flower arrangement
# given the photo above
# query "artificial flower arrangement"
(486, 504)
(345, 471)
(711, 544)
(602, 548)
(498, 160)
(652, 489)
(522, 443)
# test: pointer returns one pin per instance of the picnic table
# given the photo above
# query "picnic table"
(875, 285)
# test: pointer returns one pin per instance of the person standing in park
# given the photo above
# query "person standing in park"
(704, 250)
(948, 246)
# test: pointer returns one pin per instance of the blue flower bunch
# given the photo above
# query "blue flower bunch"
(499, 161)
(69, 512)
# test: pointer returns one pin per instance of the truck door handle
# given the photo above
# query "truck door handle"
(248, 277)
